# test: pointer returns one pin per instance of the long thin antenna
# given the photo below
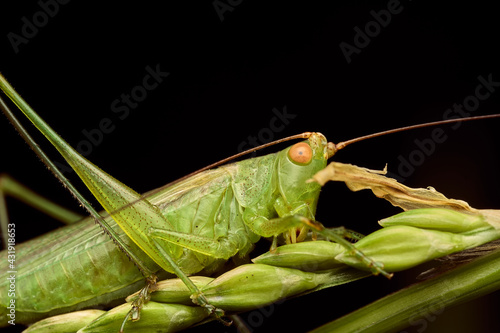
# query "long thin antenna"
(304, 135)
(343, 144)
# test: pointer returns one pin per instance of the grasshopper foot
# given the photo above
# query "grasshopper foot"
(220, 315)
(143, 297)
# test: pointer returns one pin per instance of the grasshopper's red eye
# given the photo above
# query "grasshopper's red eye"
(300, 153)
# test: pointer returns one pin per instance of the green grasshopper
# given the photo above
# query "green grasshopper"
(197, 224)
(265, 196)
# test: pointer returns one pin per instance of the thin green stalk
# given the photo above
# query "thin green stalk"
(401, 309)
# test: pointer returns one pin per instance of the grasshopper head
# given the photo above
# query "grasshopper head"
(296, 165)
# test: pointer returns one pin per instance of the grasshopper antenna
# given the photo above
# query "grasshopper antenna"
(343, 144)
(332, 148)
(304, 135)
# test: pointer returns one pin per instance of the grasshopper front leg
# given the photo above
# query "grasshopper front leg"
(267, 228)
(273, 227)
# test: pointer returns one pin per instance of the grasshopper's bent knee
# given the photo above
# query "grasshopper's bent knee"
(223, 248)
(196, 295)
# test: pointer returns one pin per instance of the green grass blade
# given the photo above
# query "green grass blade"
(395, 311)
(14, 189)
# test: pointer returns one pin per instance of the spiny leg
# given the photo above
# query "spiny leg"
(76, 160)
(12, 188)
(271, 227)
(197, 296)
(144, 295)
(338, 235)
(47, 131)
(223, 248)
(220, 248)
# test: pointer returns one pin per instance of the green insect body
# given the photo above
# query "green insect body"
(198, 223)
(240, 202)
(73, 267)
(214, 215)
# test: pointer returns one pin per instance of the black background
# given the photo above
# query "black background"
(226, 76)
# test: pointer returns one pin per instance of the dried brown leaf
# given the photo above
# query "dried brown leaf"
(397, 194)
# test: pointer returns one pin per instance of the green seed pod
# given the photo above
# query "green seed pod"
(306, 256)
(155, 317)
(437, 219)
(65, 323)
(402, 247)
(174, 290)
(255, 285)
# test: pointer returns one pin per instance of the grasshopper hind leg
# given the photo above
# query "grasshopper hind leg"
(196, 295)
